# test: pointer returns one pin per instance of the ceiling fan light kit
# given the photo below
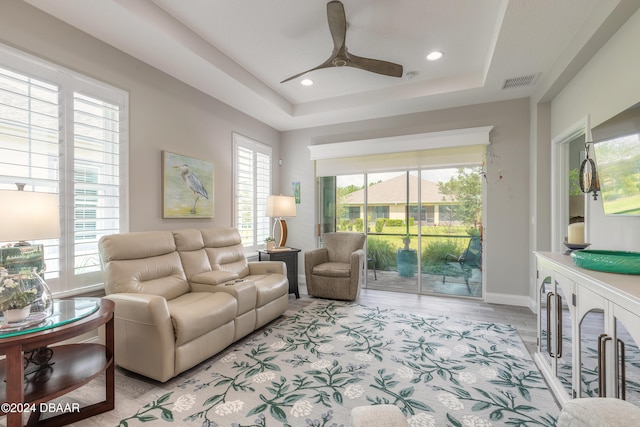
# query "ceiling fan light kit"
(340, 57)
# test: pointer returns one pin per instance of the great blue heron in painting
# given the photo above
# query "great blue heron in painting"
(194, 184)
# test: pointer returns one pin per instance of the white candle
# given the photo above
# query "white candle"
(576, 233)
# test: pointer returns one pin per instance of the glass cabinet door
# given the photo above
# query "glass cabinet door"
(545, 294)
(627, 339)
(564, 316)
(591, 330)
(591, 327)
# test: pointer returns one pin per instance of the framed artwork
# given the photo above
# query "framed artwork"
(187, 187)
(296, 191)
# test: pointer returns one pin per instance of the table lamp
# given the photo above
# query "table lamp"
(280, 207)
(26, 215)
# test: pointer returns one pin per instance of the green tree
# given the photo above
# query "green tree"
(341, 193)
(466, 189)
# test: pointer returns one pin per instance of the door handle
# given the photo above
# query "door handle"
(602, 364)
(559, 330)
(622, 380)
(549, 296)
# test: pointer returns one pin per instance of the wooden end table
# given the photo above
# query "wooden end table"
(70, 367)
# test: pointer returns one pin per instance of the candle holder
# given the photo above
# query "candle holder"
(575, 247)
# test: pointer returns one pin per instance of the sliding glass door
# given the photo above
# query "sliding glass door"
(423, 227)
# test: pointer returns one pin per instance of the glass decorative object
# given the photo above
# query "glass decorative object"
(25, 298)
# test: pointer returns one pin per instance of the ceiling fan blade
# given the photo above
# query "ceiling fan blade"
(325, 64)
(375, 65)
(337, 24)
(340, 57)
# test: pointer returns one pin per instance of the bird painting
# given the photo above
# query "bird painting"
(194, 184)
(187, 187)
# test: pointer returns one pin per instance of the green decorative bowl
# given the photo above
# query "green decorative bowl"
(608, 261)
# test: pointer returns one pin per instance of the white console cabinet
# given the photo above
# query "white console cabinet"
(588, 330)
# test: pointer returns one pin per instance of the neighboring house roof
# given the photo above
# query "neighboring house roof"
(394, 191)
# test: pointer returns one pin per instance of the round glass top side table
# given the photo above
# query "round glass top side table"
(64, 311)
(25, 389)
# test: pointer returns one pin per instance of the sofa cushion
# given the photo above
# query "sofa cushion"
(159, 275)
(190, 246)
(188, 240)
(143, 262)
(269, 287)
(138, 245)
(333, 269)
(197, 313)
(378, 416)
(599, 412)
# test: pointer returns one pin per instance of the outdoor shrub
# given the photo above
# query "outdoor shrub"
(436, 252)
(379, 225)
(383, 252)
(359, 225)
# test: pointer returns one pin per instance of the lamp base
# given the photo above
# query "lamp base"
(283, 232)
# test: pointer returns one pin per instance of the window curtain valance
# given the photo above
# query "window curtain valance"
(447, 148)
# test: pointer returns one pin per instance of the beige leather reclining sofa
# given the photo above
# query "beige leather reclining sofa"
(183, 296)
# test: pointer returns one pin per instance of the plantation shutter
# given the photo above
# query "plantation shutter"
(96, 181)
(252, 187)
(64, 133)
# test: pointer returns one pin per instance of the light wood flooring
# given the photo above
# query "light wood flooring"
(130, 387)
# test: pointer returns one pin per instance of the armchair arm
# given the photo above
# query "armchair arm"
(268, 267)
(311, 259)
(356, 259)
(316, 257)
(144, 337)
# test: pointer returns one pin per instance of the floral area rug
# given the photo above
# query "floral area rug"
(311, 368)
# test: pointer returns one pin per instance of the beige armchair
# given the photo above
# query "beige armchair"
(336, 271)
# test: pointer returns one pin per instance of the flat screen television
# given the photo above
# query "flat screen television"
(617, 159)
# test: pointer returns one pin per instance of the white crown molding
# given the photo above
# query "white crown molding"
(403, 143)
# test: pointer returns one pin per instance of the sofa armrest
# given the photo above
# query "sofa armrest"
(144, 337)
(267, 267)
(215, 277)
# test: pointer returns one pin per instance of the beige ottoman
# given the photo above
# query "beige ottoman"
(378, 416)
(599, 412)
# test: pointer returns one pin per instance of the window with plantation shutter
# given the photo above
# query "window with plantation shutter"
(64, 133)
(252, 186)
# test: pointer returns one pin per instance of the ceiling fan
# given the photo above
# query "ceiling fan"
(340, 57)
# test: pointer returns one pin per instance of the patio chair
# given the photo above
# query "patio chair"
(464, 264)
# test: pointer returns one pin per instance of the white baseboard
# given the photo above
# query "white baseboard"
(510, 299)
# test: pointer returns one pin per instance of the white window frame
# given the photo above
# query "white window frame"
(64, 282)
(260, 227)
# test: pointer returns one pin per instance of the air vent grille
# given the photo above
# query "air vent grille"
(519, 81)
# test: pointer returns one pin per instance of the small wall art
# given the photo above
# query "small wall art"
(187, 187)
(296, 191)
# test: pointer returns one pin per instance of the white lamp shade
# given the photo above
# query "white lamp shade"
(281, 206)
(27, 215)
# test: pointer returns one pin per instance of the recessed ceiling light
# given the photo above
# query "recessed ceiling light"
(435, 55)
(306, 82)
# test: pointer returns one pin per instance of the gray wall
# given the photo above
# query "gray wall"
(507, 199)
(168, 115)
(606, 86)
(165, 114)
